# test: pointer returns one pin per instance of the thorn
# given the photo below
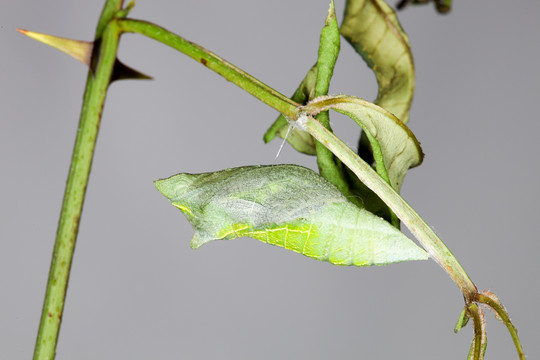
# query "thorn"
(125, 11)
(80, 50)
(124, 72)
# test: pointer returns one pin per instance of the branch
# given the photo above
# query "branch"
(81, 161)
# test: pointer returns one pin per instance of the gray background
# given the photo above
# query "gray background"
(137, 291)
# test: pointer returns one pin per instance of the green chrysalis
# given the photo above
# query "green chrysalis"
(288, 206)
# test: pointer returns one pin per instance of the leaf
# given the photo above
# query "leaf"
(463, 319)
(395, 148)
(288, 206)
(442, 6)
(372, 28)
(374, 31)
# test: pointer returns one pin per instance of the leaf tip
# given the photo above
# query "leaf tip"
(462, 321)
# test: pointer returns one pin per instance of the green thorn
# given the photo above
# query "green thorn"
(122, 13)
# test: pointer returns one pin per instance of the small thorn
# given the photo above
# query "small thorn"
(124, 72)
(125, 11)
(80, 50)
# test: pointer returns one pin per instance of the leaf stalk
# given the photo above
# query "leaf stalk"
(499, 309)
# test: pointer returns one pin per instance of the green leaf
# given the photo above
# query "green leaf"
(395, 148)
(372, 28)
(288, 206)
(463, 320)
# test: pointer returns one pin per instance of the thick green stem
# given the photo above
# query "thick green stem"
(230, 72)
(425, 235)
(94, 98)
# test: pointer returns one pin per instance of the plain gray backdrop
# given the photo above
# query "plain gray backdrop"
(137, 291)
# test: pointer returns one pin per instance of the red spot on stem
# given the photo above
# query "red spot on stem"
(204, 62)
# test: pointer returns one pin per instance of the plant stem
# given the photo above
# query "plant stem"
(479, 341)
(425, 235)
(503, 314)
(81, 161)
(224, 68)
